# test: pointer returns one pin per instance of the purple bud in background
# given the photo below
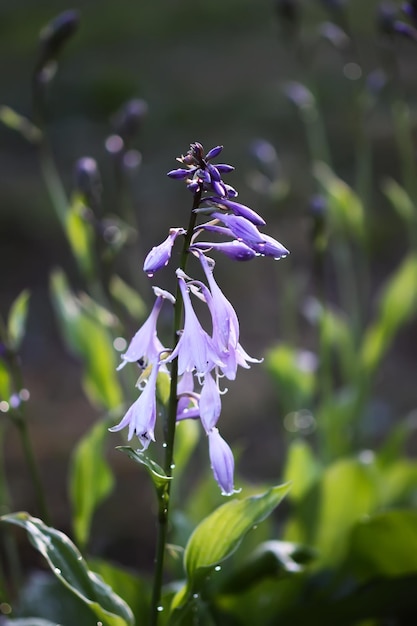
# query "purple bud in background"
(88, 180)
(54, 36)
(128, 120)
(160, 255)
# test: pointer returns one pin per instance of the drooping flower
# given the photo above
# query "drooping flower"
(222, 462)
(235, 250)
(225, 321)
(145, 345)
(141, 416)
(210, 403)
(195, 349)
(160, 255)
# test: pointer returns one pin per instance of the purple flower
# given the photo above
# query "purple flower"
(195, 349)
(187, 406)
(160, 255)
(241, 228)
(141, 416)
(235, 250)
(271, 247)
(222, 462)
(225, 321)
(145, 345)
(210, 403)
(237, 209)
(200, 174)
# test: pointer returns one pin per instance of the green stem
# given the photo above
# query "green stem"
(23, 430)
(164, 501)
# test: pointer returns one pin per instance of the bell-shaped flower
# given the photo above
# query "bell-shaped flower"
(235, 250)
(271, 247)
(222, 462)
(241, 228)
(141, 416)
(225, 321)
(188, 400)
(210, 403)
(145, 345)
(237, 208)
(195, 349)
(236, 357)
(160, 255)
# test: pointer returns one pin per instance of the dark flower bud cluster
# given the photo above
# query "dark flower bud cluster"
(203, 359)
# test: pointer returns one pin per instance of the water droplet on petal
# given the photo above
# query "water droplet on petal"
(149, 274)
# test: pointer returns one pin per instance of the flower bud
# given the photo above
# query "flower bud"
(128, 119)
(54, 36)
(88, 180)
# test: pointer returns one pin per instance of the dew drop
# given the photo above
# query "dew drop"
(160, 608)
(57, 571)
(172, 466)
(164, 445)
(254, 527)
(217, 568)
(195, 596)
(149, 274)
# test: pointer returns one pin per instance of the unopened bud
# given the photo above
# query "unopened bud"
(88, 179)
(128, 119)
(54, 36)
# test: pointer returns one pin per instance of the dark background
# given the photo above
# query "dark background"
(211, 72)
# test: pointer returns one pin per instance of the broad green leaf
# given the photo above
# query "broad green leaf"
(80, 235)
(348, 491)
(385, 544)
(127, 297)
(68, 565)
(91, 341)
(90, 479)
(398, 303)
(16, 324)
(301, 468)
(271, 559)
(399, 199)
(219, 534)
(398, 482)
(135, 591)
(158, 475)
(346, 213)
(21, 124)
(294, 373)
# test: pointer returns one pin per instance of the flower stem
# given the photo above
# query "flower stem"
(164, 500)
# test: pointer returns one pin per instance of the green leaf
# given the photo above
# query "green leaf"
(219, 534)
(271, 559)
(398, 303)
(301, 469)
(80, 235)
(16, 324)
(135, 591)
(91, 479)
(399, 199)
(91, 341)
(5, 386)
(348, 491)
(158, 475)
(68, 565)
(21, 124)
(127, 297)
(345, 209)
(385, 544)
(295, 381)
